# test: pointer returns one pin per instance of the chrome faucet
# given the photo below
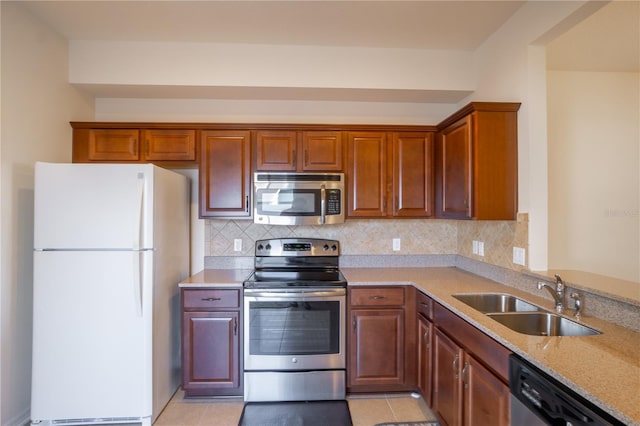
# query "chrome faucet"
(557, 293)
(578, 304)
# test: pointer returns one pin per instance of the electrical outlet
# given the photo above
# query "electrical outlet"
(480, 248)
(396, 244)
(474, 247)
(237, 244)
(519, 256)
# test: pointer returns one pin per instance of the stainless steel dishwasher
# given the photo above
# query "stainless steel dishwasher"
(538, 399)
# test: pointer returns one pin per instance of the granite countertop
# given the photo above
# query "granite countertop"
(604, 369)
(217, 277)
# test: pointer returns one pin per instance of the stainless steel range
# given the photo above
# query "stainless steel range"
(294, 316)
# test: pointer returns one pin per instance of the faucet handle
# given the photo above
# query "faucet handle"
(578, 304)
(559, 282)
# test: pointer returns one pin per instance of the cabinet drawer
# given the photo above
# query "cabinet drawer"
(377, 296)
(424, 305)
(210, 299)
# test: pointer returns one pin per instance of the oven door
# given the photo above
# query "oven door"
(294, 329)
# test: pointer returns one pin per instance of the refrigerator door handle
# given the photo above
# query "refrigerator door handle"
(137, 228)
(137, 283)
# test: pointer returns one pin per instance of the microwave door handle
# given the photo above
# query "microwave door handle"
(323, 202)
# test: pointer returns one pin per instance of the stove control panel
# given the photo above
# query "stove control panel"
(297, 247)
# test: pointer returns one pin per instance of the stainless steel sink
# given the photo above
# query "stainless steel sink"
(542, 324)
(496, 302)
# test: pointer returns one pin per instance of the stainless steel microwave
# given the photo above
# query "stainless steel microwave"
(298, 198)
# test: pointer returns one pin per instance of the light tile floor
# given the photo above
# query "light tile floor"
(366, 410)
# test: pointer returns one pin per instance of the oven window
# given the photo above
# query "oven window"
(294, 328)
(288, 202)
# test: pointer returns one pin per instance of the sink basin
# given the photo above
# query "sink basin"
(496, 302)
(542, 324)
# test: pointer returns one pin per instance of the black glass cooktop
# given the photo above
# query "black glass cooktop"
(296, 278)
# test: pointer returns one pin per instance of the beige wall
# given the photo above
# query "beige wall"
(594, 180)
(37, 105)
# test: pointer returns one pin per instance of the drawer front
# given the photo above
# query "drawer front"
(377, 296)
(424, 305)
(210, 299)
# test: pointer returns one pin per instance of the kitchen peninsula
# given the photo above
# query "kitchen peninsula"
(596, 367)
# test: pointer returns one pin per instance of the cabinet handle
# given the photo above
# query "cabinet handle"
(235, 326)
(210, 299)
(456, 360)
(306, 156)
(426, 305)
(465, 370)
(353, 323)
(147, 147)
(427, 343)
(246, 203)
(377, 297)
(294, 159)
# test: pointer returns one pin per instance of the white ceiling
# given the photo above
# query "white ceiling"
(453, 25)
(608, 40)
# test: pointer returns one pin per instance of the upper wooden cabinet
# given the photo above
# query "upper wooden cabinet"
(477, 163)
(171, 147)
(412, 174)
(225, 174)
(298, 151)
(390, 174)
(367, 174)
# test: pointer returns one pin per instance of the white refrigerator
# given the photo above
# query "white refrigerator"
(111, 244)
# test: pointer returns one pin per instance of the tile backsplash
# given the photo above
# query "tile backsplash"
(375, 237)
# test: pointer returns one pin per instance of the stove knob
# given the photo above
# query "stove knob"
(334, 247)
(325, 247)
(260, 247)
(268, 247)
(294, 360)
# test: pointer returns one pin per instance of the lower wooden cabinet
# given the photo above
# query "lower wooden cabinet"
(425, 358)
(211, 342)
(486, 398)
(381, 339)
(466, 390)
(447, 386)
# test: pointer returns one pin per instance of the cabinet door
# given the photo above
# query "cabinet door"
(367, 174)
(225, 174)
(425, 358)
(276, 150)
(113, 145)
(486, 397)
(376, 347)
(412, 174)
(211, 352)
(447, 392)
(169, 145)
(322, 151)
(456, 169)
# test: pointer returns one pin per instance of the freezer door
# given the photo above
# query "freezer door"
(92, 355)
(89, 206)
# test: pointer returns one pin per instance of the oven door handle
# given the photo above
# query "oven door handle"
(295, 294)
